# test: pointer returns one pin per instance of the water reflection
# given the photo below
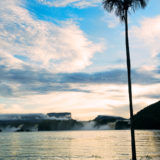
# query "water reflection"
(148, 143)
(78, 145)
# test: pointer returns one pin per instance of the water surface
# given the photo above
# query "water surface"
(78, 145)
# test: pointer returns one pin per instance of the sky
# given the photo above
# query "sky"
(69, 56)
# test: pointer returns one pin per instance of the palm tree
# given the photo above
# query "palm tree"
(121, 9)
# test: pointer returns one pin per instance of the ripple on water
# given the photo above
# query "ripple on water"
(78, 145)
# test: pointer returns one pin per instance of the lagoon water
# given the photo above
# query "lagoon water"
(78, 145)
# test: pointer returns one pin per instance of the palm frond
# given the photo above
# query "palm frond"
(120, 6)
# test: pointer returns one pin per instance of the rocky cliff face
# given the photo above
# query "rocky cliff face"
(39, 125)
(61, 115)
(38, 122)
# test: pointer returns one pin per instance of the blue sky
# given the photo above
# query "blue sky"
(69, 55)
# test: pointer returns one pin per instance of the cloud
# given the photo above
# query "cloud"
(148, 33)
(145, 39)
(41, 63)
(109, 99)
(14, 108)
(74, 3)
(5, 90)
(86, 95)
(29, 41)
(26, 80)
(111, 20)
(116, 76)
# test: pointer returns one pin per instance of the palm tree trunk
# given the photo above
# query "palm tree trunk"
(130, 87)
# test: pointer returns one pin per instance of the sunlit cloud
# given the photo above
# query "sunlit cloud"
(145, 42)
(109, 99)
(29, 41)
(74, 3)
(149, 34)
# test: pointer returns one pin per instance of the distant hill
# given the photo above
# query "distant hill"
(105, 119)
(148, 118)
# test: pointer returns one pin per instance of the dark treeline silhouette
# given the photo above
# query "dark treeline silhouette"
(149, 117)
(121, 9)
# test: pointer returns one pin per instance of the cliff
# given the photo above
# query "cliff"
(38, 122)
